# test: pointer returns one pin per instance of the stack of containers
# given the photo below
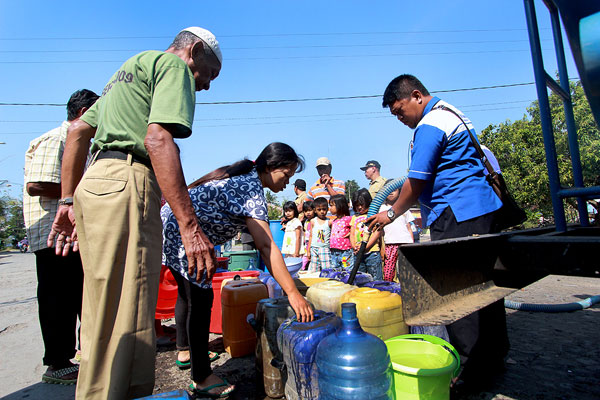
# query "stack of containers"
(326, 295)
(298, 344)
(379, 312)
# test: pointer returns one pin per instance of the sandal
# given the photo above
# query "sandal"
(205, 392)
(183, 364)
(61, 376)
(213, 355)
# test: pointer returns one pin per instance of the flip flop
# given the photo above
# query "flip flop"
(183, 364)
(205, 392)
(57, 377)
(214, 357)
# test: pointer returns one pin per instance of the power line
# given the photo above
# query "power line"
(294, 122)
(276, 34)
(292, 57)
(224, 48)
(303, 99)
(292, 116)
(355, 97)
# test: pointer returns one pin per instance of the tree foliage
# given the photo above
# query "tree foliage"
(351, 187)
(275, 211)
(12, 227)
(519, 148)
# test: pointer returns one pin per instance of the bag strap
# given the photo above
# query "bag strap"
(491, 173)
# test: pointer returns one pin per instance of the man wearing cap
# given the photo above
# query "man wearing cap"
(325, 186)
(376, 181)
(300, 190)
(112, 213)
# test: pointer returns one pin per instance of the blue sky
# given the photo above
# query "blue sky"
(275, 50)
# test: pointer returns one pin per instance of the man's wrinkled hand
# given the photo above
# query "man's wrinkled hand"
(200, 253)
(63, 231)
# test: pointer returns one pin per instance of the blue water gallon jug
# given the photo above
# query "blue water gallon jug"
(353, 364)
(360, 279)
(298, 344)
(386, 286)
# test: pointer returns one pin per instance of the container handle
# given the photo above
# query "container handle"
(237, 278)
(435, 340)
(252, 321)
(280, 365)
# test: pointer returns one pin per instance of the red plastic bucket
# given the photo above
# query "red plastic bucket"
(167, 295)
(215, 314)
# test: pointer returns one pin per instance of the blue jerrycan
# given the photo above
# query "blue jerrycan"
(298, 344)
(385, 286)
(353, 364)
(360, 280)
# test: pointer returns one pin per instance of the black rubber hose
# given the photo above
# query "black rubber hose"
(552, 308)
(374, 209)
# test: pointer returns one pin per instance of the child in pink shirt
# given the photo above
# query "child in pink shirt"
(308, 208)
(341, 248)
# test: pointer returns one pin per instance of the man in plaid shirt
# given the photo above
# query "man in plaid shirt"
(60, 279)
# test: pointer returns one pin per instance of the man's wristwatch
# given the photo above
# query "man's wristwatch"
(391, 214)
(67, 201)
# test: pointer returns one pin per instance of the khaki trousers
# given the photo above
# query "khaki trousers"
(117, 212)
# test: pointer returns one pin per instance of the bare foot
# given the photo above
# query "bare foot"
(183, 356)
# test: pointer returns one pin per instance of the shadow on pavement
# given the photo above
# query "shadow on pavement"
(43, 391)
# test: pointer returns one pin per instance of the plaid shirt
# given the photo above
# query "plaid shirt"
(42, 164)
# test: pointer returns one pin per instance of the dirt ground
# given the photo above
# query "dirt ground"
(552, 356)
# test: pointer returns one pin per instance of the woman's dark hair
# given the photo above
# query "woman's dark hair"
(341, 205)
(291, 206)
(308, 206)
(361, 197)
(275, 155)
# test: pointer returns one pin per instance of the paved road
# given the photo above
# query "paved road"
(553, 356)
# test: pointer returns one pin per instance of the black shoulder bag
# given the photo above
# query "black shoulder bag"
(510, 214)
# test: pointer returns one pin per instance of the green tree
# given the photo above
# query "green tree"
(275, 211)
(351, 187)
(519, 148)
(12, 227)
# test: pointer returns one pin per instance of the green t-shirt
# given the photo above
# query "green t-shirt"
(151, 87)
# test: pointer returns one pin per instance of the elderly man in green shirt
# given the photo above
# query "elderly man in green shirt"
(112, 213)
(376, 181)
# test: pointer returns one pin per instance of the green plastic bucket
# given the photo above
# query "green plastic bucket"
(242, 260)
(422, 366)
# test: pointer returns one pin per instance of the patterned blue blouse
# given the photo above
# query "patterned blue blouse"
(221, 207)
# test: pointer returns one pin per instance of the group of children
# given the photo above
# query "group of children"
(332, 241)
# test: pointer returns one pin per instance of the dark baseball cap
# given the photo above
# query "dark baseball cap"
(300, 184)
(371, 163)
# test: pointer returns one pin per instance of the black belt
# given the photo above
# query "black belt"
(122, 155)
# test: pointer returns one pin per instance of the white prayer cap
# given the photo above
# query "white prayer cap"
(208, 38)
